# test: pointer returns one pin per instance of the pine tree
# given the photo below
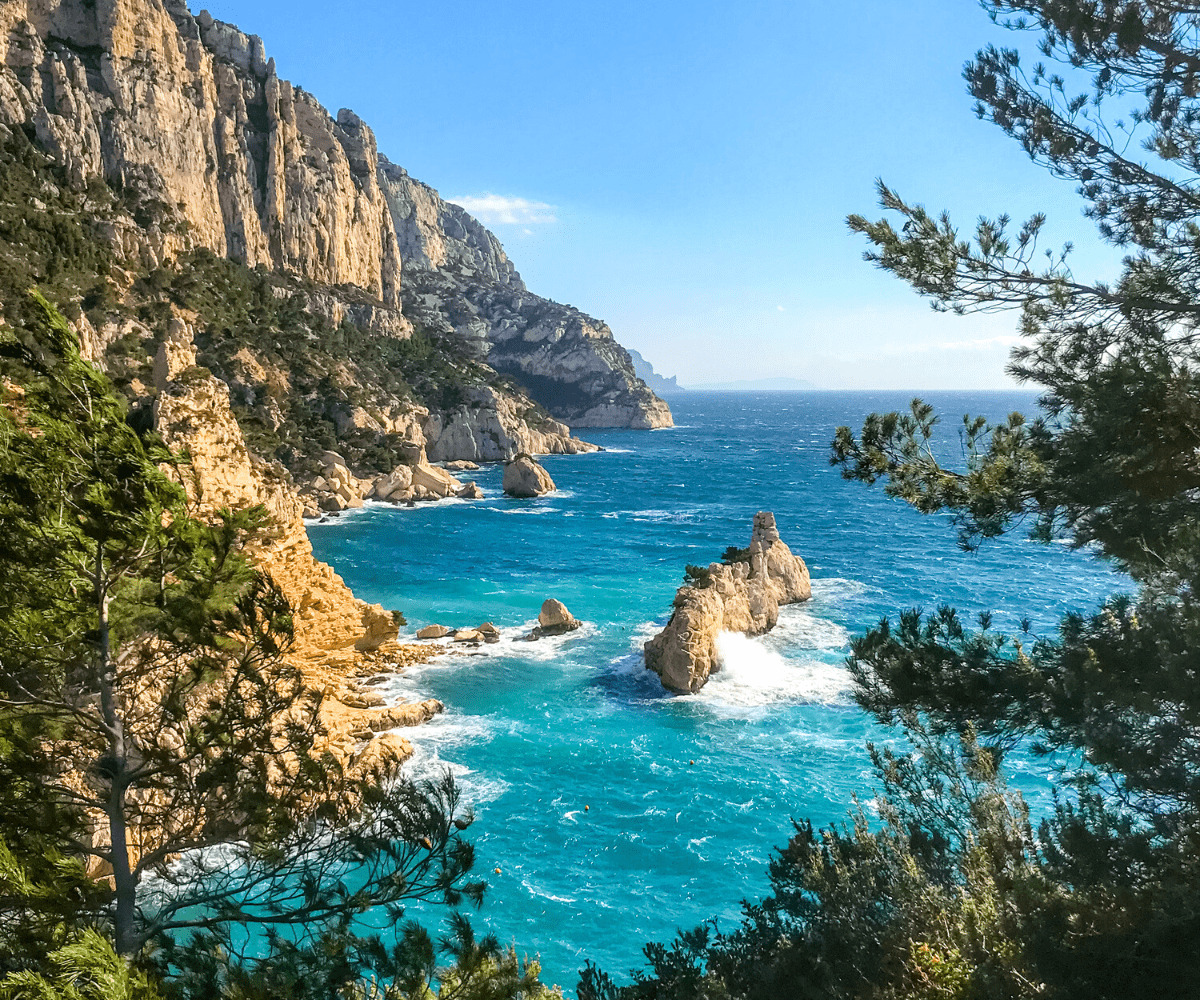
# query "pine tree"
(957, 892)
(150, 724)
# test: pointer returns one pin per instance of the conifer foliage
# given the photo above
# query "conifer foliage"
(956, 891)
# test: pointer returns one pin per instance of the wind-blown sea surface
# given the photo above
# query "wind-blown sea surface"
(617, 813)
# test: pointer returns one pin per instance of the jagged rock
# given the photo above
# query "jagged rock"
(470, 492)
(492, 426)
(433, 632)
(438, 483)
(523, 477)
(176, 354)
(744, 596)
(462, 466)
(363, 699)
(489, 632)
(383, 755)
(468, 635)
(404, 715)
(395, 485)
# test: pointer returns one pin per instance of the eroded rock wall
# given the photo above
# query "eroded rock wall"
(459, 279)
(189, 119)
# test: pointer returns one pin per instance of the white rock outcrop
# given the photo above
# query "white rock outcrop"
(523, 477)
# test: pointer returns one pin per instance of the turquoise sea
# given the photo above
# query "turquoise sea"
(615, 812)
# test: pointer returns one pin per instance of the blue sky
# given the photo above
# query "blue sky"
(683, 170)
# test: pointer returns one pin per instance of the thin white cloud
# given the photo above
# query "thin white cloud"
(779, 308)
(493, 209)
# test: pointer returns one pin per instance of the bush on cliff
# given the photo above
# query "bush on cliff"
(955, 893)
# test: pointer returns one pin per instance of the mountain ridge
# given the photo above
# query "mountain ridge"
(187, 118)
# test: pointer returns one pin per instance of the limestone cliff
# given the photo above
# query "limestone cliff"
(741, 595)
(459, 279)
(209, 148)
(334, 631)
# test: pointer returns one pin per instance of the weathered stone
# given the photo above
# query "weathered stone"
(744, 596)
(404, 715)
(433, 632)
(553, 619)
(470, 491)
(523, 477)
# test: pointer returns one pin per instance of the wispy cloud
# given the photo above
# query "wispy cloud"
(497, 208)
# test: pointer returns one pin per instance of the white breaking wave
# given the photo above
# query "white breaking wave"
(753, 674)
(799, 627)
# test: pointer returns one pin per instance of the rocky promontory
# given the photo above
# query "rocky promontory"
(741, 594)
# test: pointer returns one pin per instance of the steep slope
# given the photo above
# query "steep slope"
(458, 279)
(188, 119)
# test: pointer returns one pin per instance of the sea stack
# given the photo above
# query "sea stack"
(742, 594)
(523, 477)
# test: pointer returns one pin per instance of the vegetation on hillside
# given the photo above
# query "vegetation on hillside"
(167, 815)
(955, 891)
(295, 378)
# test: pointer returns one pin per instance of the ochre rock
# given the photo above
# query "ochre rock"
(523, 477)
(744, 596)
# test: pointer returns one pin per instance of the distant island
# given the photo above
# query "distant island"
(658, 383)
(758, 384)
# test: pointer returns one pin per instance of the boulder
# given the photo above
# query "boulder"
(433, 632)
(554, 619)
(468, 635)
(470, 492)
(404, 715)
(489, 632)
(394, 485)
(741, 596)
(462, 466)
(437, 483)
(523, 477)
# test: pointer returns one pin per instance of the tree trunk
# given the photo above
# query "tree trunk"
(117, 770)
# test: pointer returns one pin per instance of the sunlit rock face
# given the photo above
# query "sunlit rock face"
(740, 596)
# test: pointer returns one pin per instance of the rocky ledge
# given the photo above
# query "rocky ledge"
(742, 594)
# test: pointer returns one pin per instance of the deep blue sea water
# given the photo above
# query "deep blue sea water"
(539, 732)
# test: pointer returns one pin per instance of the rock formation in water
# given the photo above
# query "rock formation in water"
(741, 595)
(523, 477)
(209, 148)
(554, 619)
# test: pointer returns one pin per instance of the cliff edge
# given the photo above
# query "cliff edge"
(187, 118)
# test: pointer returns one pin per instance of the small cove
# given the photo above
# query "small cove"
(537, 731)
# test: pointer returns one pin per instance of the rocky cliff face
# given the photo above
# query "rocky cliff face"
(210, 148)
(743, 595)
(458, 279)
(334, 630)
